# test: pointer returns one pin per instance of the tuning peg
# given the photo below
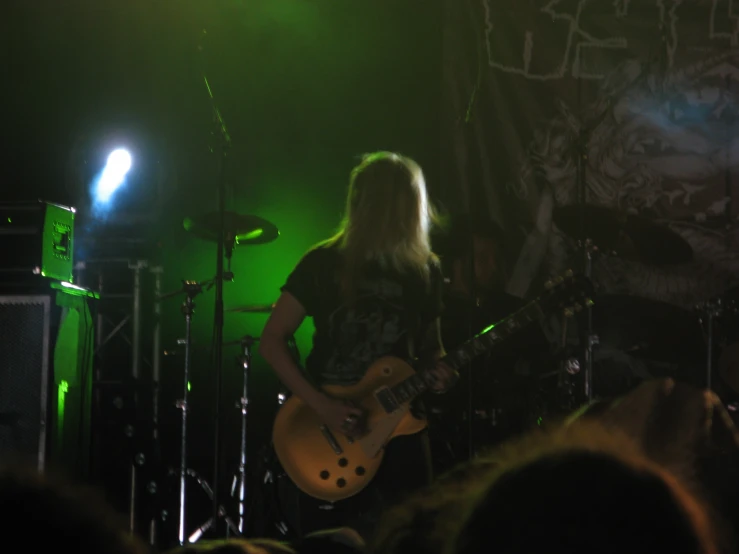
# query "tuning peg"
(559, 279)
(589, 303)
(569, 274)
(548, 285)
(569, 312)
(578, 308)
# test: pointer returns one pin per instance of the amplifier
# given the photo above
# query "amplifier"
(25, 336)
(36, 238)
(46, 348)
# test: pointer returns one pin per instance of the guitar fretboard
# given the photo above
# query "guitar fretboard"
(481, 343)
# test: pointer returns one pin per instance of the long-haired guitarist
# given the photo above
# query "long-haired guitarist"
(374, 289)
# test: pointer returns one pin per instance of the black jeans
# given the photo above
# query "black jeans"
(405, 469)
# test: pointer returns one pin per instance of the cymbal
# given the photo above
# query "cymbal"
(244, 230)
(631, 237)
(253, 309)
(648, 328)
(240, 341)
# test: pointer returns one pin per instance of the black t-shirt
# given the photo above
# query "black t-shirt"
(390, 315)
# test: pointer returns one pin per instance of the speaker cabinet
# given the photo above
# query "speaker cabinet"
(25, 334)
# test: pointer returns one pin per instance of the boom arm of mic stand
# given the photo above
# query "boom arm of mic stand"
(217, 117)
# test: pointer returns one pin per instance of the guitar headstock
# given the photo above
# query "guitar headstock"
(569, 293)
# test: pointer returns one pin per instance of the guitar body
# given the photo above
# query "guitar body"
(324, 463)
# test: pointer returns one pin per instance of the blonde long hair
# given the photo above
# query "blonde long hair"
(388, 218)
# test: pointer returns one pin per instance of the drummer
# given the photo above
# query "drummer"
(475, 264)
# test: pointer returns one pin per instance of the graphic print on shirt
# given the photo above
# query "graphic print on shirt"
(368, 330)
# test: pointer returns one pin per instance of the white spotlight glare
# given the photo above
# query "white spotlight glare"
(113, 174)
(119, 161)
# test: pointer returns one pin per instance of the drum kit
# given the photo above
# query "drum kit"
(654, 332)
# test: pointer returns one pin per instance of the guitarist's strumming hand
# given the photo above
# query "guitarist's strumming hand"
(342, 415)
(443, 377)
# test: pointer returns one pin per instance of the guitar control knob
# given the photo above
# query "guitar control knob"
(572, 366)
(343, 462)
(341, 483)
(360, 471)
(325, 475)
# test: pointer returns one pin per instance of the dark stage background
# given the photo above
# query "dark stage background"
(646, 90)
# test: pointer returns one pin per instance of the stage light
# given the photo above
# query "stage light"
(113, 175)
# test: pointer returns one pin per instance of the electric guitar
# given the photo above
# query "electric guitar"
(327, 465)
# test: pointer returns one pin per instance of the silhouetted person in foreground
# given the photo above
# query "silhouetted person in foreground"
(584, 488)
(48, 516)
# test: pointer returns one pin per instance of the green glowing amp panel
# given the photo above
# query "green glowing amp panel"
(36, 238)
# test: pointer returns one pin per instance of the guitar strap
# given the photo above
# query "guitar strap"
(414, 304)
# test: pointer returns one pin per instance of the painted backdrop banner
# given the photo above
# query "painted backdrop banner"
(645, 93)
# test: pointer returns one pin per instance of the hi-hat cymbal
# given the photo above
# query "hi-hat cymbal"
(253, 309)
(631, 237)
(243, 230)
(241, 341)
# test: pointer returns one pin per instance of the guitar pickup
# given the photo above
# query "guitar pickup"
(387, 400)
(329, 436)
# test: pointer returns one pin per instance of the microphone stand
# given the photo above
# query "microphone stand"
(219, 130)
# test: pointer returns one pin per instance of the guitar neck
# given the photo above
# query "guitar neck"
(485, 340)
(492, 335)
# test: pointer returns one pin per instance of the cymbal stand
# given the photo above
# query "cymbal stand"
(239, 485)
(589, 251)
(191, 289)
(591, 339)
(589, 248)
(710, 310)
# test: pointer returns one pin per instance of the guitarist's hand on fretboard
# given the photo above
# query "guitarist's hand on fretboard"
(443, 377)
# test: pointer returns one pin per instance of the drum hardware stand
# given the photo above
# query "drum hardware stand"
(238, 487)
(191, 289)
(710, 310)
(589, 248)
(569, 366)
(200, 531)
(239, 483)
(591, 338)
